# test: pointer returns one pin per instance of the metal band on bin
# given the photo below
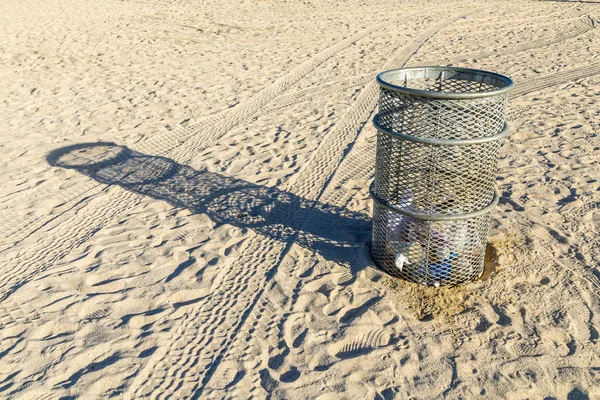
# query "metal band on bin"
(433, 217)
(504, 83)
(440, 142)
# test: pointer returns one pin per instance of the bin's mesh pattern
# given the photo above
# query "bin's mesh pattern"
(441, 119)
(433, 253)
(436, 179)
(432, 179)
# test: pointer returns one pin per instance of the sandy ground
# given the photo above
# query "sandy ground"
(184, 203)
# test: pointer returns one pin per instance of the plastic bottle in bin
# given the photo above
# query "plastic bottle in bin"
(448, 242)
(400, 239)
(400, 232)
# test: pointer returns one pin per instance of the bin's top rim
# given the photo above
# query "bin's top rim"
(504, 82)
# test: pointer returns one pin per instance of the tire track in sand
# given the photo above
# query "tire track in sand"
(546, 81)
(201, 136)
(581, 27)
(165, 142)
(180, 145)
(194, 137)
(183, 369)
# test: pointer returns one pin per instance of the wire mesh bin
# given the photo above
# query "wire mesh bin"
(439, 131)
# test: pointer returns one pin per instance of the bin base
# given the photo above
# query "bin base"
(433, 250)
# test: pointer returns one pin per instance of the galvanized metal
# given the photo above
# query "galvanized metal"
(439, 131)
(440, 142)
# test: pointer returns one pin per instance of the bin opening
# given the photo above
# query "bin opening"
(460, 83)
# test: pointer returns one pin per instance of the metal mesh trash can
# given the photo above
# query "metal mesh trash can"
(439, 131)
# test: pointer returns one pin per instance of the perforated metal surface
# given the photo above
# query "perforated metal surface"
(435, 179)
(439, 132)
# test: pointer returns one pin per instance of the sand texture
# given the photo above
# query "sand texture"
(184, 208)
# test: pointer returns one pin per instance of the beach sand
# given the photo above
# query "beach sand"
(145, 144)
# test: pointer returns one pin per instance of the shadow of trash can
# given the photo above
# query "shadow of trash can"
(439, 134)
